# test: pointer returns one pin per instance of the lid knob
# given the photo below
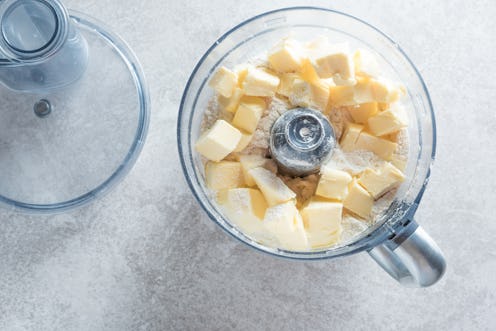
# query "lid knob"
(301, 140)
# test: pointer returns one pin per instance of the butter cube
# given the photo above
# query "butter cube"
(381, 147)
(365, 63)
(224, 81)
(253, 161)
(386, 122)
(300, 93)
(304, 94)
(324, 240)
(216, 143)
(366, 90)
(350, 136)
(286, 56)
(245, 207)
(384, 91)
(322, 220)
(358, 200)
(347, 95)
(272, 187)
(318, 48)
(333, 184)
(249, 112)
(342, 95)
(383, 106)
(241, 71)
(286, 84)
(379, 182)
(319, 95)
(335, 62)
(260, 83)
(363, 91)
(285, 223)
(244, 141)
(223, 175)
(308, 73)
(231, 104)
(361, 113)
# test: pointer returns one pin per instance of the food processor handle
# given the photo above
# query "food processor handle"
(411, 257)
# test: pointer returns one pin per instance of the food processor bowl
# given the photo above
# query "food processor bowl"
(422, 263)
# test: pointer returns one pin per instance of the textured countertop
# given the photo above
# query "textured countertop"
(145, 257)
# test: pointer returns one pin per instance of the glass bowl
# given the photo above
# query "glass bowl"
(255, 36)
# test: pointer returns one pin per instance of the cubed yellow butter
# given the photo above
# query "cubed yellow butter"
(252, 161)
(365, 63)
(387, 121)
(217, 142)
(322, 220)
(244, 141)
(224, 175)
(350, 136)
(304, 94)
(384, 91)
(363, 92)
(308, 73)
(383, 106)
(335, 62)
(366, 90)
(319, 95)
(245, 207)
(358, 200)
(333, 183)
(224, 81)
(347, 95)
(231, 104)
(272, 187)
(361, 112)
(260, 83)
(249, 112)
(342, 95)
(286, 56)
(300, 93)
(241, 72)
(324, 240)
(328, 81)
(286, 84)
(285, 223)
(377, 182)
(381, 147)
(315, 49)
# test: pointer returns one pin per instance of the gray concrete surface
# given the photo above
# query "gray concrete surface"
(145, 257)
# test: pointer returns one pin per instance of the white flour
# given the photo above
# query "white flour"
(354, 162)
(213, 113)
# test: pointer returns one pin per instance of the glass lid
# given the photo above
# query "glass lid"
(64, 146)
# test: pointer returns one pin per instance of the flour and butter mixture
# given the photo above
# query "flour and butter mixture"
(354, 186)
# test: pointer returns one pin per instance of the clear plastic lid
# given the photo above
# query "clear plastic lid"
(62, 148)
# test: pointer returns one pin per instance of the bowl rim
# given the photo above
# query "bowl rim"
(374, 238)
